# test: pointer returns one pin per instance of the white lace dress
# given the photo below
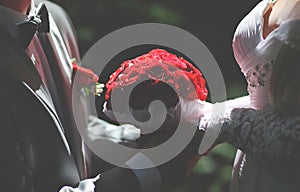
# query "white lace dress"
(269, 141)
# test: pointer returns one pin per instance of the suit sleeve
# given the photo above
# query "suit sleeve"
(14, 175)
(164, 177)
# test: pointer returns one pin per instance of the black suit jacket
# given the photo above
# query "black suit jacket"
(40, 149)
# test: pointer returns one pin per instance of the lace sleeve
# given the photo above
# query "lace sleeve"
(264, 134)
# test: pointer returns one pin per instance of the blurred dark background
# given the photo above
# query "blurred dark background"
(212, 22)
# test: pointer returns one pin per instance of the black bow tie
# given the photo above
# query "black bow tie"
(39, 22)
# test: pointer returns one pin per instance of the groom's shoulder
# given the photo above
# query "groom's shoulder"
(65, 26)
(56, 11)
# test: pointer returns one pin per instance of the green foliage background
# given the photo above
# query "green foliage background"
(212, 22)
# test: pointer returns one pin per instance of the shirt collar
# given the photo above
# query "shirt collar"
(9, 18)
(32, 10)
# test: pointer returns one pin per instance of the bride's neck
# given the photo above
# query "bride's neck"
(19, 5)
(281, 10)
(284, 10)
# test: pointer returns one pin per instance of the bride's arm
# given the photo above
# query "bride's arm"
(209, 118)
(265, 133)
(193, 110)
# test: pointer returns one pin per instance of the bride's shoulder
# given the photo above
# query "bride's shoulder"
(248, 33)
(275, 18)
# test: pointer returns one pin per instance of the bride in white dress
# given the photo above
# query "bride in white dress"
(264, 126)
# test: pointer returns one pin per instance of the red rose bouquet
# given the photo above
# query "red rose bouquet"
(161, 66)
(157, 75)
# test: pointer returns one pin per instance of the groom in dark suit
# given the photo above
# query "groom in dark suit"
(40, 148)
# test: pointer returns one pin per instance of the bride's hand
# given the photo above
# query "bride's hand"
(193, 110)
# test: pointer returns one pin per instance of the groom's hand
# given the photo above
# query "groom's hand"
(102, 130)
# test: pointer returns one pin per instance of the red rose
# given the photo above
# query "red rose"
(160, 66)
(156, 70)
(85, 76)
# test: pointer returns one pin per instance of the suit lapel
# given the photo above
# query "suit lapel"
(60, 69)
(45, 97)
(15, 61)
(42, 99)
